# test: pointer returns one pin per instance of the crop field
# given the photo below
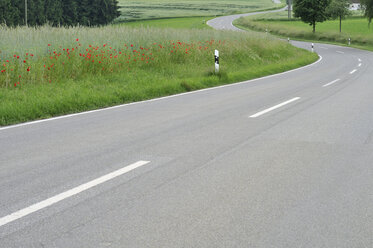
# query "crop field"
(53, 71)
(354, 27)
(156, 9)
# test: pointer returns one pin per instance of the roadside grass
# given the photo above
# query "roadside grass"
(155, 9)
(55, 71)
(184, 22)
(354, 27)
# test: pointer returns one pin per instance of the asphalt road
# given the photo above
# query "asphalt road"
(283, 161)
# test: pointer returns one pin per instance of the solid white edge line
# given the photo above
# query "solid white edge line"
(156, 99)
(332, 82)
(274, 107)
(353, 71)
(50, 201)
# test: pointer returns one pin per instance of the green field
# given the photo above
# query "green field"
(178, 23)
(354, 27)
(54, 71)
(155, 9)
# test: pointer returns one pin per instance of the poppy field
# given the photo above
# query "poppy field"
(58, 71)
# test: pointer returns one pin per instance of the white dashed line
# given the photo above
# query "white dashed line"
(333, 82)
(53, 200)
(340, 52)
(353, 71)
(274, 107)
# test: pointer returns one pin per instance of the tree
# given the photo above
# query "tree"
(338, 9)
(59, 12)
(368, 9)
(53, 12)
(311, 11)
(36, 12)
(70, 12)
(84, 10)
(8, 13)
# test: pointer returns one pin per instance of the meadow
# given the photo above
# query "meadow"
(49, 71)
(354, 27)
(156, 9)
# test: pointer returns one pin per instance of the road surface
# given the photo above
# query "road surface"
(282, 161)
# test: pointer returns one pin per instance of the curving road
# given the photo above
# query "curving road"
(282, 161)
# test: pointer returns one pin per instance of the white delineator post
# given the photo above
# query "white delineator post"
(216, 61)
(349, 41)
(312, 47)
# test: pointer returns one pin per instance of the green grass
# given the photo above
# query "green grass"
(155, 9)
(185, 23)
(355, 28)
(160, 62)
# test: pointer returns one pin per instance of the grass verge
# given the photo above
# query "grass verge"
(62, 71)
(355, 28)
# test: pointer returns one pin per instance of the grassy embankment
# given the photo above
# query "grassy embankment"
(354, 27)
(133, 10)
(47, 72)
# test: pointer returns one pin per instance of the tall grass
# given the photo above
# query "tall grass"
(54, 71)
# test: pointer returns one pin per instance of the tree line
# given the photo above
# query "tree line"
(58, 12)
(313, 11)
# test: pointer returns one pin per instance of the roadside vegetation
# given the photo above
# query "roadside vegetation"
(132, 10)
(354, 27)
(57, 71)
